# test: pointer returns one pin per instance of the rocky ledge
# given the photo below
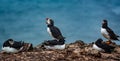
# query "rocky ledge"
(77, 51)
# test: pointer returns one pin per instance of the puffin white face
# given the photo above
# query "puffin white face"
(48, 21)
(56, 47)
(11, 42)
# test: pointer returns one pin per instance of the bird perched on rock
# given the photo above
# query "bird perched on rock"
(101, 46)
(107, 32)
(11, 46)
(53, 30)
(54, 44)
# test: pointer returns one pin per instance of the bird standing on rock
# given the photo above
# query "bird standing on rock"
(53, 30)
(107, 32)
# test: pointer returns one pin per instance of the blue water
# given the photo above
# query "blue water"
(77, 19)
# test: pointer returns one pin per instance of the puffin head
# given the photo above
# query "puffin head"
(8, 42)
(99, 41)
(104, 23)
(11, 42)
(49, 22)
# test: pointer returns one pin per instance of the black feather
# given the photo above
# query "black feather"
(15, 44)
(104, 46)
(53, 42)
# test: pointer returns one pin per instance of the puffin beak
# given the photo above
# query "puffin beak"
(103, 22)
(47, 20)
(108, 42)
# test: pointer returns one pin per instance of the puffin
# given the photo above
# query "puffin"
(108, 33)
(102, 46)
(54, 44)
(53, 30)
(11, 46)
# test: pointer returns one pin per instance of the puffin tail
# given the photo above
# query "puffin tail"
(64, 37)
(118, 36)
(118, 39)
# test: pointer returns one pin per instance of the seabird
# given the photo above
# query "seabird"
(102, 46)
(53, 30)
(11, 46)
(54, 44)
(107, 32)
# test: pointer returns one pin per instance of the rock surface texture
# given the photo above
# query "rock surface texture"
(77, 51)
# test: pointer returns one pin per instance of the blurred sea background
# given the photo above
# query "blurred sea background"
(77, 19)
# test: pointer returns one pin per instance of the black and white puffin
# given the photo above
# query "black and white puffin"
(54, 44)
(11, 46)
(107, 32)
(53, 30)
(102, 46)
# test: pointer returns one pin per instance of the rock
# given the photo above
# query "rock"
(47, 52)
(78, 51)
(91, 51)
(78, 43)
(117, 50)
(113, 56)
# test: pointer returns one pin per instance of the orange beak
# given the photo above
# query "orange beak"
(108, 42)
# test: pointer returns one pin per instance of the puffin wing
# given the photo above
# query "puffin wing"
(105, 46)
(112, 34)
(6, 43)
(53, 42)
(17, 44)
(56, 32)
